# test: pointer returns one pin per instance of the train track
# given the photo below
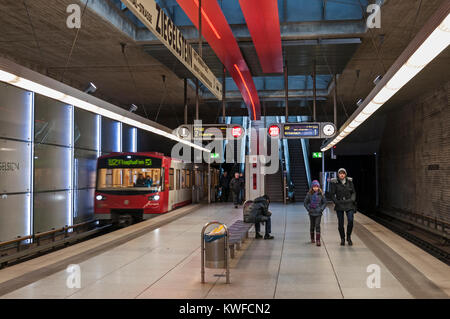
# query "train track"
(28, 247)
(429, 241)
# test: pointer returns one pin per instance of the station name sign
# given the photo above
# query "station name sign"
(155, 19)
(302, 130)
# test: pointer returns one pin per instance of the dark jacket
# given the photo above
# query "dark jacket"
(258, 211)
(236, 185)
(315, 211)
(224, 181)
(343, 195)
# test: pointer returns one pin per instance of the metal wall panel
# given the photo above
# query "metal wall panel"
(129, 138)
(14, 216)
(52, 121)
(15, 169)
(16, 112)
(51, 210)
(83, 205)
(111, 133)
(51, 167)
(85, 163)
(86, 130)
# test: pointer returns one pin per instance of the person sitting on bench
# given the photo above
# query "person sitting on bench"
(257, 212)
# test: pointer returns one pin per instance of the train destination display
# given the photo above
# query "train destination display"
(301, 130)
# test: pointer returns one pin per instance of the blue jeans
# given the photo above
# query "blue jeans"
(268, 226)
(340, 215)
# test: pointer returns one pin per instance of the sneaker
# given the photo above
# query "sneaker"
(267, 236)
(258, 236)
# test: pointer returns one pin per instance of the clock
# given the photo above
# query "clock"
(328, 130)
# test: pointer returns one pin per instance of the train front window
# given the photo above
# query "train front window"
(130, 179)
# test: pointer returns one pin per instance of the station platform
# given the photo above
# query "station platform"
(160, 258)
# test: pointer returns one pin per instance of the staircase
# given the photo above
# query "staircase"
(297, 168)
(274, 186)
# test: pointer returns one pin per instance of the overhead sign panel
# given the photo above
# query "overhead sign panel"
(302, 130)
(210, 131)
(155, 19)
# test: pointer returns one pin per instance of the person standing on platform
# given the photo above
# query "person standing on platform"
(235, 186)
(242, 179)
(343, 194)
(315, 203)
(225, 184)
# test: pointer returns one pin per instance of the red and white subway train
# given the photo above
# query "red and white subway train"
(133, 186)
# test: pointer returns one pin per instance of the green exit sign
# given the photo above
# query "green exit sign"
(317, 155)
(214, 155)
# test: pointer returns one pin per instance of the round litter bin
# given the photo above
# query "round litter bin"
(215, 251)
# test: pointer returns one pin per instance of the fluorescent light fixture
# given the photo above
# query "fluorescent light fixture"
(431, 47)
(91, 88)
(133, 108)
(57, 95)
(377, 79)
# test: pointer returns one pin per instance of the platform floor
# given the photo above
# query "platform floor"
(165, 263)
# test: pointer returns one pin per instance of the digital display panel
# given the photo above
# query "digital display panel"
(301, 130)
(129, 161)
(209, 132)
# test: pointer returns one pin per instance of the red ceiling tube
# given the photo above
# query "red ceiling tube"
(264, 26)
(219, 36)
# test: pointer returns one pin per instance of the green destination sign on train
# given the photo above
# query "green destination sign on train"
(115, 162)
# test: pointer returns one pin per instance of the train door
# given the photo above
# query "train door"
(172, 187)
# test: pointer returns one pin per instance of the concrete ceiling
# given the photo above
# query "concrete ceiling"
(41, 40)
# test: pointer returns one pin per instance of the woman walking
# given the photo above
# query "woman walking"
(315, 203)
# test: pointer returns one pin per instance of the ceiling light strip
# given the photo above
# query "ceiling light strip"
(248, 91)
(209, 21)
(57, 95)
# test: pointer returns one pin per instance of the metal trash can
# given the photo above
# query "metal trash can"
(215, 251)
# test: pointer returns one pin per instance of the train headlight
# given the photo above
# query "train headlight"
(154, 197)
(100, 197)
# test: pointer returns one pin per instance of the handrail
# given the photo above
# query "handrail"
(13, 241)
(50, 232)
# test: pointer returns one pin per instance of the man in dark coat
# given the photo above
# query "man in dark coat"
(242, 193)
(225, 185)
(343, 194)
(235, 186)
(258, 212)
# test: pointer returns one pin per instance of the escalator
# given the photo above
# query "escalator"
(297, 169)
(274, 186)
